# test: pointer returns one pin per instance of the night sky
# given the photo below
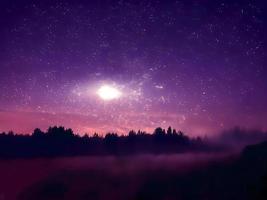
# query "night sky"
(199, 66)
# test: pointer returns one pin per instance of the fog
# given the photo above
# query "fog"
(17, 176)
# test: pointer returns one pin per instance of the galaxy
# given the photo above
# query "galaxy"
(113, 66)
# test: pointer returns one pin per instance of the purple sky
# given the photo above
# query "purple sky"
(199, 66)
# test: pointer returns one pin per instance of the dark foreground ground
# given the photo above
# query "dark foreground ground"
(146, 177)
(74, 177)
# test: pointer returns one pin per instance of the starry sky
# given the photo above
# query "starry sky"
(197, 65)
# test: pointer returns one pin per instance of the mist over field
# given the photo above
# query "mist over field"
(58, 164)
(18, 175)
(72, 167)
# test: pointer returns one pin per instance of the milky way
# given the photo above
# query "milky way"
(198, 66)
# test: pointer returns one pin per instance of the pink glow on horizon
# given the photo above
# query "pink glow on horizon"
(26, 122)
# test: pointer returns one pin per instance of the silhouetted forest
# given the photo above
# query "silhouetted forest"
(58, 141)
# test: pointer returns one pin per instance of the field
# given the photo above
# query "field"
(22, 176)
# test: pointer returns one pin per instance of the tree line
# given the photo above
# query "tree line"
(59, 141)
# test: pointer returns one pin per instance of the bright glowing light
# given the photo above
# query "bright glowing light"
(107, 93)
